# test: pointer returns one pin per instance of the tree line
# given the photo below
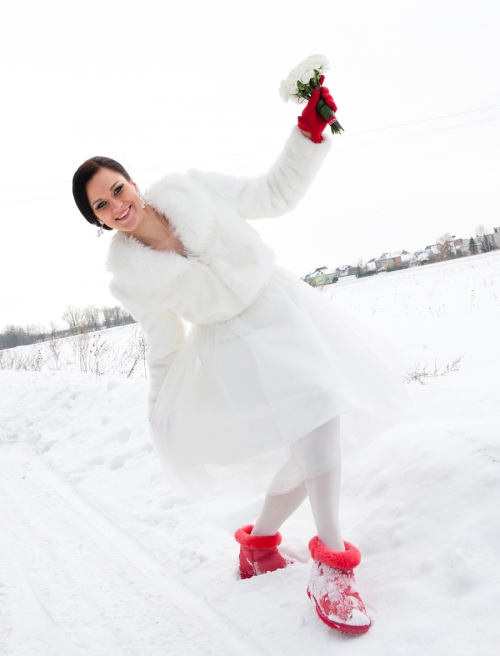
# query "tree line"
(79, 320)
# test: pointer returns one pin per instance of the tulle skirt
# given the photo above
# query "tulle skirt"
(244, 390)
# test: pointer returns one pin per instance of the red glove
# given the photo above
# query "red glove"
(310, 121)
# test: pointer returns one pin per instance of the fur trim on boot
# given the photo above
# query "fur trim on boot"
(259, 553)
(332, 588)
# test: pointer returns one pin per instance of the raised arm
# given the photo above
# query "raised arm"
(280, 189)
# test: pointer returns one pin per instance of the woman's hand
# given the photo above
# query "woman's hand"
(310, 122)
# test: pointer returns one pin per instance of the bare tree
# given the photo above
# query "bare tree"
(92, 315)
(118, 313)
(94, 354)
(31, 360)
(485, 245)
(80, 348)
(18, 336)
(134, 354)
(107, 313)
(99, 359)
(74, 318)
(445, 246)
(54, 347)
(111, 316)
(116, 316)
(420, 373)
(35, 333)
(12, 336)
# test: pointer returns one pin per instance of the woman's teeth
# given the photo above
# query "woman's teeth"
(124, 213)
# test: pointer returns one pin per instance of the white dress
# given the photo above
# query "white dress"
(266, 378)
(267, 359)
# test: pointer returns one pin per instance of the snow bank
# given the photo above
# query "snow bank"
(99, 555)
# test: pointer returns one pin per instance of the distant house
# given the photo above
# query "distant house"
(428, 255)
(392, 260)
(384, 261)
(450, 248)
(493, 239)
(406, 258)
(400, 258)
(461, 246)
(321, 276)
(347, 270)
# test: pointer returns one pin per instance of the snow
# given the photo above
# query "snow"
(119, 350)
(344, 279)
(336, 596)
(99, 555)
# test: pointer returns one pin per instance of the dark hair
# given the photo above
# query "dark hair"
(82, 177)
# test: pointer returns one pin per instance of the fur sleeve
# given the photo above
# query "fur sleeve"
(165, 332)
(280, 189)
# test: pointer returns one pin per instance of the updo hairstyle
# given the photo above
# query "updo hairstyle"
(82, 177)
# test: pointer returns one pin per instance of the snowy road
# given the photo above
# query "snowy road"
(75, 583)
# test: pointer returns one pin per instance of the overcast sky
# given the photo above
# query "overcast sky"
(165, 85)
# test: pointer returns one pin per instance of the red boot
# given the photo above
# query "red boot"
(259, 553)
(333, 590)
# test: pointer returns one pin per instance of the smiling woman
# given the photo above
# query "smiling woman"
(268, 364)
(107, 197)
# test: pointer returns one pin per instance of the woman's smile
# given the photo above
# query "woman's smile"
(125, 214)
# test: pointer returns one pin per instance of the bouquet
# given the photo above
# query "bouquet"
(301, 82)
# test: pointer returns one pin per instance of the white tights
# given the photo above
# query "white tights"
(323, 490)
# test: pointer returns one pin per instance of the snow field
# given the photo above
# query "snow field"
(115, 351)
(99, 555)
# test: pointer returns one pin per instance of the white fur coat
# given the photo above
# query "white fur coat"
(227, 266)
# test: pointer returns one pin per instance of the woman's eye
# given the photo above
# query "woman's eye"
(117, 190)
(100, 205)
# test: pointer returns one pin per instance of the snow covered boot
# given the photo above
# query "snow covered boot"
(259, 553)
(333, 590)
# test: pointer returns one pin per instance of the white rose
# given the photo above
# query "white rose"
(285, 96)
(303, 73)
(305, 77)
(318, 62)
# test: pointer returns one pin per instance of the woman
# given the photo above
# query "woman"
(267, 364)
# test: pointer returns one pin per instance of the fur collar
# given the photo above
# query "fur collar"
(189, 207)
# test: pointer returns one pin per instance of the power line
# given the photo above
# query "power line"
(344, 136)
(264, 150)
(419, 134)
(338, 150)
(425, 120)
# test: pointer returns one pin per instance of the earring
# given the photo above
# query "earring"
(100, 230)
(141, 198)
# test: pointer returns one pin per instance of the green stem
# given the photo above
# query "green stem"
(326, 112)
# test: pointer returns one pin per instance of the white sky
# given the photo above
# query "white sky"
(162, 86)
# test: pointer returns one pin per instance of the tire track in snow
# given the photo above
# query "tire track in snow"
(23, 596)
(197, 613)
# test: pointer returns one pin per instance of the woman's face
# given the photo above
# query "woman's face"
(115, 201)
